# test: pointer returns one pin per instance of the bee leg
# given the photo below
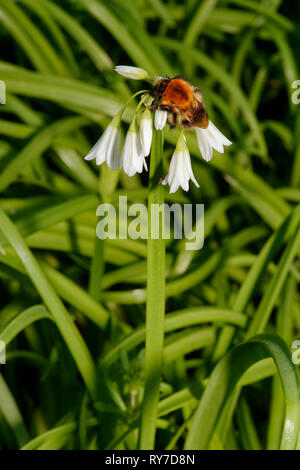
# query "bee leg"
(187, 124)
(161, 107)
(172, 120)
(153, 107)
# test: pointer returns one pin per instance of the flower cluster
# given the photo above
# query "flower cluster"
(138, 140)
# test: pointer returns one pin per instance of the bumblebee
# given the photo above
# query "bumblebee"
(183, 102)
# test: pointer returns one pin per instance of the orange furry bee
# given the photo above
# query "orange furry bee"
(183, 102)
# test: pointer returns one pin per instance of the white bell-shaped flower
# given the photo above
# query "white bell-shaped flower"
(135, 73)
(160, 119)
(146, 131)
(180, 170)
(209, 139)
(107, 148)
(132, 158)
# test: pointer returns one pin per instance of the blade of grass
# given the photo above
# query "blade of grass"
(11, 412)
(284, 326)
(62, 319)
(68, 290)
(37, 146)
(39, 9)
(173, 321)
(120, 32)
(34, 42)
(271, 247)
(96, 53)
(198, 21)
(226, 375)
(268, 301)
(266, 11)
(18, 323)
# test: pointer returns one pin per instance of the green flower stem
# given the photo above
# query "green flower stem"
(155, 301)
(118, 116)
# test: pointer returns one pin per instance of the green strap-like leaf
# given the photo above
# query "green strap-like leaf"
(17, 324)
(225, 377)
(70, 333)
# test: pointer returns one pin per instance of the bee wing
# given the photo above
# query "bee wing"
(196, 115)
(198, 95)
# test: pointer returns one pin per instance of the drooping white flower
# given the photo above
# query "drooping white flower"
(146, 131)
(180, 170)
(132, 158)
(160, 119)
(209, 139)
(107, 148)
(135, 73)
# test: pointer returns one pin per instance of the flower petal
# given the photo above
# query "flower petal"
(113, 156)
(190, 170)
(180, 169)
(160, 119)
(132, 159)
(204, 144)
(218, 135)
(125, 160)
(135, 73)
(137, 153)
(214, 142)
(146, 132)
(98, 151)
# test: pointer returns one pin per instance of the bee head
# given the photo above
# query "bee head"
(159, 87)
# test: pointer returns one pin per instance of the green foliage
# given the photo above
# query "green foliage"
(226, 380)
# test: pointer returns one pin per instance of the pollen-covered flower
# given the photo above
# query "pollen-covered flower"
(107, 148)
(135, 73)
(146, 131)
(209, 139)
(160, 119)
(133, 158)
(180, 170)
